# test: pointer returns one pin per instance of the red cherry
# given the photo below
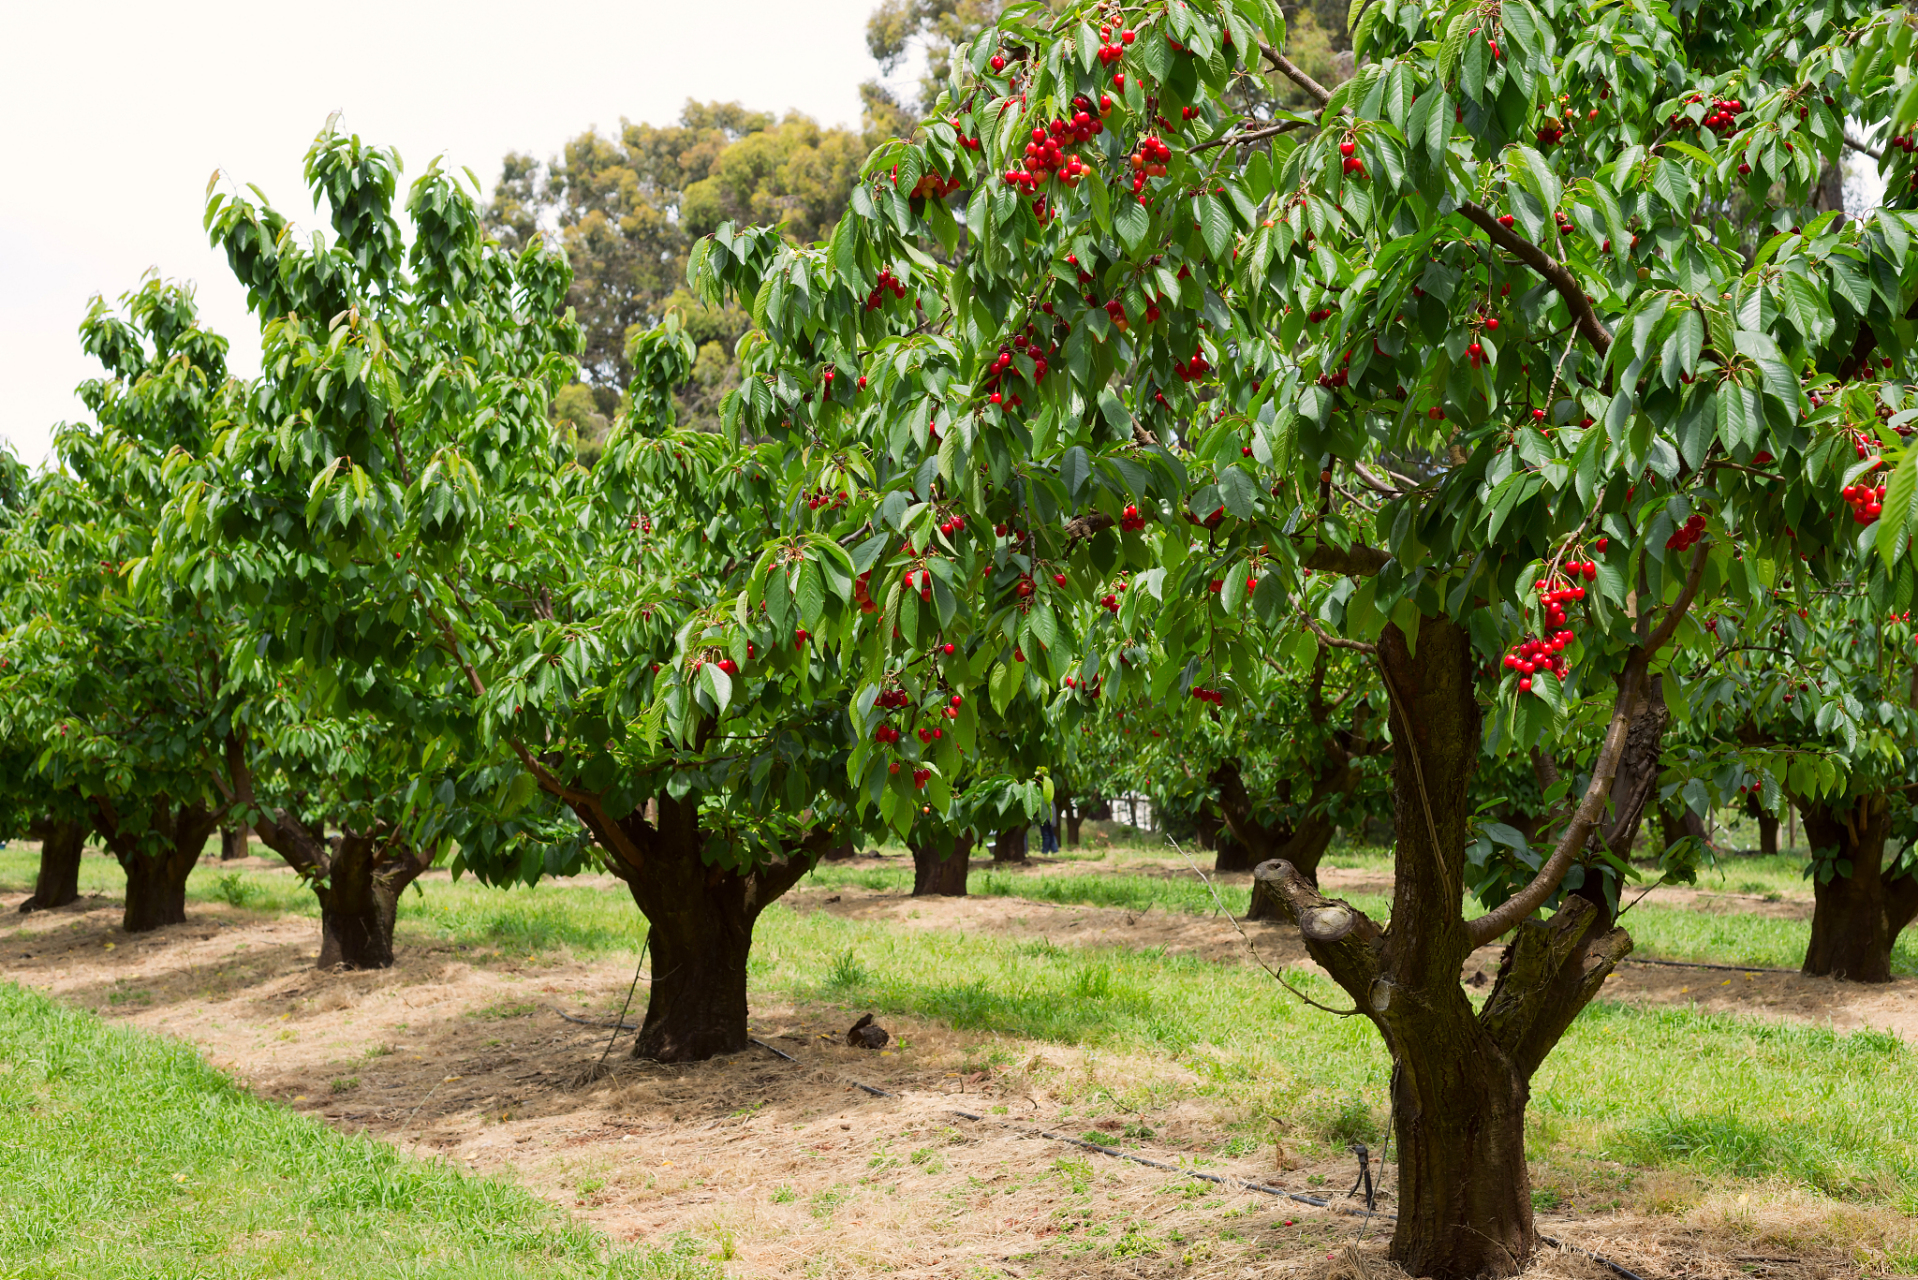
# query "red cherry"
(948, 650)
(1118, 81)
(1059, 579)
(1492, 324)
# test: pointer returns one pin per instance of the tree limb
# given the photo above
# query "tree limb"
(1357, 561)
(1330, 641)
(1515, 909)
(1555, 273)
(1291, 71)
(1863, 148)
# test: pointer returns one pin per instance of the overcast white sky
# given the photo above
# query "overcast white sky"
(117, 114)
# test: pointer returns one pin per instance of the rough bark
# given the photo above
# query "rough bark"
(1303, 843)
(1461, 1078)
(1010, 846)
(701, 925)
(157, 860)
(937, 874)
(357, 876)
(1855, 918)
(58, 881)
(232, 843)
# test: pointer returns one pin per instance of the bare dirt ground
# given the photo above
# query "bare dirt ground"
(789, 1169)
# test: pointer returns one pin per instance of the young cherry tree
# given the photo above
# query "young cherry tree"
(123, 699)
(1820, 709)
(1531, 332)
(652, 643)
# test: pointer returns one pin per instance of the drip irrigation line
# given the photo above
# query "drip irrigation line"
(1316, 1202)
(781, 1052)
(645, 944)
(601, 1023)
(1700, 964)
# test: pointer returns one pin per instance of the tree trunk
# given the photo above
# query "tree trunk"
(1010, 846)
(1852, 915)
(232, 843)
(359, 899)
(1767, 834)
(1302, 844)
(358, 879)
(937, 875)
(1073, 820)
(58, 882)
(1461, 1078)
(157, 859)
(156, 888)
(701, 931)
(840, 852)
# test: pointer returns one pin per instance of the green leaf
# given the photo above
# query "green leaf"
(1074, 468)
(1131, 222)
(1240, 492)
(1901, 506)
(1215, 224)
(1004, 684)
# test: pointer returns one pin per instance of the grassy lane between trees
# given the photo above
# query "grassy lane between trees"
(1647, 1088)
(125, 1155)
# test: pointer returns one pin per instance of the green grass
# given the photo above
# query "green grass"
(1659, 1088)
(123, 1155)
(1650, 1087)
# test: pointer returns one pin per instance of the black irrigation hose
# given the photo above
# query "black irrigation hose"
(1219, 1179)
(1700, 964)
(1317, 1203)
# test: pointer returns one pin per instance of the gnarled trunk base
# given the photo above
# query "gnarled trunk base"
(941, 875)
(58, 881)
(1010, 846)
(701, 931)
(1855, 918)
(156, 889)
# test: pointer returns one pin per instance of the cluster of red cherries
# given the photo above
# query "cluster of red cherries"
(1867, 501)
(1545, 655)
(1197, 367)
(1110, 601)
(1214, 696)
(1337, 378)
(1351, 163)
(1148, 161)
(1723, 118)
(956, 523)
(862, 593)
(1130, 520)
(819, 498)
(1110, 53)
(1688, 534)
(932, 186)
(1045, 155)
(1319, 315)
(888, 283)
(925, 583)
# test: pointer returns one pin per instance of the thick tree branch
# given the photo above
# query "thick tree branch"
(1358, 561)
(1508, 914)
(1086, 525)
(1863, 148)
(1331, 641)
(1291, 71)
(1555, 273)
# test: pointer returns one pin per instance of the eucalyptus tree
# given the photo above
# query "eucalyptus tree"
(1454, 334)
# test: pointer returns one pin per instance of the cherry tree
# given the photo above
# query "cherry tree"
(1530, 335)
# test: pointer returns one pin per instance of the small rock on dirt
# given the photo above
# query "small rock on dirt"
(867, 1034)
